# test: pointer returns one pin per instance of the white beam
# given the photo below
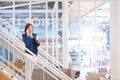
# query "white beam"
(30, 16)
(27, 11)
(26, 4)
(28, 0)
(13, 20)
(65, 33)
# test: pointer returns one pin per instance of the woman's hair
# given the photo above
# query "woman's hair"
(27, 26)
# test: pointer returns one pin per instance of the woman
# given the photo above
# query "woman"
(32, 41)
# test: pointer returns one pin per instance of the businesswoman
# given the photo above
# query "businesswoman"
(31, 41)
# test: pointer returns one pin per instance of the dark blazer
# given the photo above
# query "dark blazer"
(29, 43)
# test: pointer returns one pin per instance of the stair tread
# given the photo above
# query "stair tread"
(4, 76)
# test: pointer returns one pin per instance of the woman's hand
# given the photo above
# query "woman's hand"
(38, 39)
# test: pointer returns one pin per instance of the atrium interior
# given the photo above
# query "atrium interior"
(76, 33)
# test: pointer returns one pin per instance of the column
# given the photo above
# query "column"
(65, 33)
(115, 39)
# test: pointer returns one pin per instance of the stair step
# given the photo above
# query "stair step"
(4, 76)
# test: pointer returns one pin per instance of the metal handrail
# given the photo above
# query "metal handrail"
(11, 71)
(40, 59)
(45, 54)
(16, 46)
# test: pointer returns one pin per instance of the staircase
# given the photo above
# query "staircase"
(12, 51)
(18, 35)
(3, 75)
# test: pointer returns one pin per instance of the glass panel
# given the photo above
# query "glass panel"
(22, 5)
(89, 36)
(59, 5)
(39, 15)
(21, 15)
(38, 5)
(6, 5)
(51, 5)
(6, 10)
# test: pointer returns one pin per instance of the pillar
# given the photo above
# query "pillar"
(65, 33)
(115, 39)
